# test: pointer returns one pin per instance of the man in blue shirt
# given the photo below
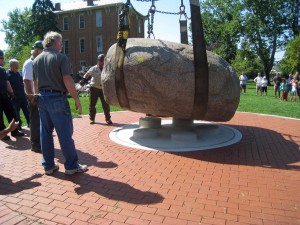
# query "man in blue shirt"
(5, 104)
(19, 102)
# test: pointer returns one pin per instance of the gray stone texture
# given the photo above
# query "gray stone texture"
(159, 79)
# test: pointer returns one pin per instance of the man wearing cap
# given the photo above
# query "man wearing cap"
(32, 97)
(6, 92)
(96, 90)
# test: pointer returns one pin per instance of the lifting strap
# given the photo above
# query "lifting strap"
(200, 62)
(120, 55)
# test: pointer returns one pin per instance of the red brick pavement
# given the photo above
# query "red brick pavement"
(255, 181)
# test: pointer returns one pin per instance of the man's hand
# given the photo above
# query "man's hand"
(78, 107)
(83, 81)
(32, 100)
(12, 96)
(13, 125)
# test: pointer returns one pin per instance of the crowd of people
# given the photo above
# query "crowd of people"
(284, 88)
(42, 94)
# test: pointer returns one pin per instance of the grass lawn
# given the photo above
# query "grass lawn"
(248, 103)
(268, 104)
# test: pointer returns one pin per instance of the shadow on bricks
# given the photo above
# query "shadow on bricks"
(87, 159)
(19, 143)
(110, 189)
(7, 187)
(258, 147)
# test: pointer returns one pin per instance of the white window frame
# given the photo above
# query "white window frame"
(68, 48)
(139, 26)
(99, 18)
(83, 21)
(65, 18)
(82, 63)
(81, 51)
(99, 43)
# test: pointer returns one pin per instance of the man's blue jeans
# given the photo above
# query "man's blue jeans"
(55, 113)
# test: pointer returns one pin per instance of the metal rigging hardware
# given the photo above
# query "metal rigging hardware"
(150, 24)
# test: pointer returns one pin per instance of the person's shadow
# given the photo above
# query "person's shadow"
(19, 143)
(110, 189)
(8, 187)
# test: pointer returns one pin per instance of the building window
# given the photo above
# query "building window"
(66, 47)
(81, 45)
(99, 43)
(140, 26)
(81, 21)
(98, 19)
(82, 63)
(65, 23)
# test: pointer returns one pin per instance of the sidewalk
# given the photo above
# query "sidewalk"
(255, 181)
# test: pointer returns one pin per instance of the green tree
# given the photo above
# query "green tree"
(17, 31)
(291, 60)
(247, 62)
(222, 26)
(266, 28)
(43, 18)
(295, 14)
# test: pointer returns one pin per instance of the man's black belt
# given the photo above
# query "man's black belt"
(54, 91)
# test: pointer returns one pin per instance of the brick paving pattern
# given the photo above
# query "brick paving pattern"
(255, 181)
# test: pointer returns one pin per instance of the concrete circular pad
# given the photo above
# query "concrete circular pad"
(170, 138)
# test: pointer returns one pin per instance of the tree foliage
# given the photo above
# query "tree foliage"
(43, 18)
(264, 26)
(294, 9)
(291, 59)
(17, 31)
(221, 23)
(247, 62)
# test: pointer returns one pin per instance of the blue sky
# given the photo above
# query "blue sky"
(166, 27)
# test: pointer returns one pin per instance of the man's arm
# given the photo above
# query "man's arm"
(69, 83)
(9, 88)
(35, 86)
(87, 75)
(28, 86)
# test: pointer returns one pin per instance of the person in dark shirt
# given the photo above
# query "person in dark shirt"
(20, 101)
(6, 106)
(277, 81)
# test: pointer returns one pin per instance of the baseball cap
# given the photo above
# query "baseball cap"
(100, 57)
(38, 44)
(1, 53)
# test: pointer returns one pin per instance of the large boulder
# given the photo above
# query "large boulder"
(159, 79)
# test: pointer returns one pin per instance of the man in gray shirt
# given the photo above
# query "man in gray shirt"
(52, 79)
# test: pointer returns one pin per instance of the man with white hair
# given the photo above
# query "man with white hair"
(32, 97)
(5, 104)
(52, 80)
(19, 101)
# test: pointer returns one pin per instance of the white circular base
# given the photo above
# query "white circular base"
(169, 138)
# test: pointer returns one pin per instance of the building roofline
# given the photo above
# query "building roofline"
(98, 7)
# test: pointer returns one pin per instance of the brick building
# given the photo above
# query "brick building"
(90, 27)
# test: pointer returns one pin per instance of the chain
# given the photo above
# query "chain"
(170, 13)
(145, 0)
(152, 11)
(123, 26)
(150, 23)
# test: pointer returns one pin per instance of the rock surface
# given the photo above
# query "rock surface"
(160, 80)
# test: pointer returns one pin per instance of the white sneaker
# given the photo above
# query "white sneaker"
(49, 172)
(79, 169)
